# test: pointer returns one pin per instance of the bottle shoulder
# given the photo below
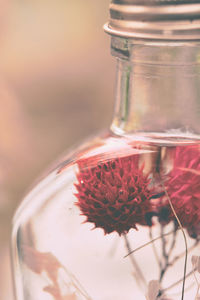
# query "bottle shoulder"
(63, 177)
(99, 149)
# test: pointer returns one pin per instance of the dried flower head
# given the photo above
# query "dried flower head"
(114, 194)
(183, 186)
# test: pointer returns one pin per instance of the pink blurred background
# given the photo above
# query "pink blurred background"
(56, 87)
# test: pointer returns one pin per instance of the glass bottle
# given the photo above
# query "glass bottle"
(120, 217)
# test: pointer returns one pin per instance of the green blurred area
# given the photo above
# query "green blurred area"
(56, 89)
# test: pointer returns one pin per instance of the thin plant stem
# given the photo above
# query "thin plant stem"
(196, 283)
(177, 258)
(183, 253)
(188, 288)
(77, 284)
(113, 248)
(165, 254)
(154, 248)
(177, 282)
(163, 243)
(173, 241)
(146, 244)
(134, 263)
(184, 236)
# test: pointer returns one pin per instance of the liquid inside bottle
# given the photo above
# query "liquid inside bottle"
(119, 220)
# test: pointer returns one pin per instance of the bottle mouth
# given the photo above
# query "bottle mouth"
(155, 19)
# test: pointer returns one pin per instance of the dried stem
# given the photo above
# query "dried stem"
(197, 285)
(196, 297)
(134, 263)
(77, 285)
(146, 244)
(177, 258)
(184, 236)
(173, 241)
(179, 281)
(165, 254)
(154, 248)
(183, 253)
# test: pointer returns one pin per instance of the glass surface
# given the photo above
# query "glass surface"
(157, 86)
(104, 224)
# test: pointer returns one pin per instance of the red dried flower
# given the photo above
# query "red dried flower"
(115, 194)
(183, 187)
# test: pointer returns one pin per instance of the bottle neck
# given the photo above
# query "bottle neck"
(158, 87)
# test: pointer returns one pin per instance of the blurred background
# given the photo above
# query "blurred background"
(56, 88)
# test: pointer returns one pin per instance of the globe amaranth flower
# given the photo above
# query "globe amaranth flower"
(114, 195)
(183, 187)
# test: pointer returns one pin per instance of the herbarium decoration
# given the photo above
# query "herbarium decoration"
(119, 217)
